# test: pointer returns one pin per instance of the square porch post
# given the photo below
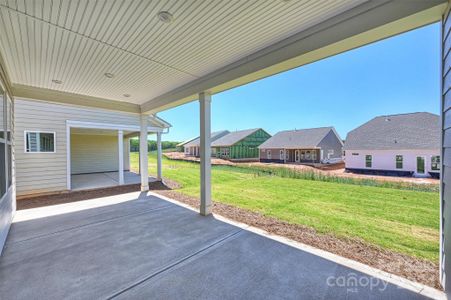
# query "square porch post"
(120, 146)
(159, 154)
(205, 153)
(143, 164)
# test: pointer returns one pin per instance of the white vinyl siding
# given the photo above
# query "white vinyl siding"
(41, 172)
(95, 153)
(386, 159)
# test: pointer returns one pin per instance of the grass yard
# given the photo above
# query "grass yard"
(405, 221)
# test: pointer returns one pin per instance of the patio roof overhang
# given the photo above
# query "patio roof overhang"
(89, 54)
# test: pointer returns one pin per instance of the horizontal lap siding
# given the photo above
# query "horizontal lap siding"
(46, 172)
(446, 161)
(93, 153)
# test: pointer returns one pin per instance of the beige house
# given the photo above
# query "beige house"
(72, 147)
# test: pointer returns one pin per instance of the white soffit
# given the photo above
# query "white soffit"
(78, 41)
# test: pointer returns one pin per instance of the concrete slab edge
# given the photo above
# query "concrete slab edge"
(352, 264)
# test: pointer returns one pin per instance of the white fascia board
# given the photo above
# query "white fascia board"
(364, 24)
(94, 125)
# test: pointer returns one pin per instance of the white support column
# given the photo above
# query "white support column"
(159, 153)
(120, 146)
(143, 165)
(205, 153)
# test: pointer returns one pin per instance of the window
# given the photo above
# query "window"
(225, 152)
(330, 153)
(268, 154)
(39, 142)
(435, 163)
(368, 161)
(281, 154)
(9, 143)
(3, 143)
(399, 159)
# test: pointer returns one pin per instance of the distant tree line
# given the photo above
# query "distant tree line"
(151, 145)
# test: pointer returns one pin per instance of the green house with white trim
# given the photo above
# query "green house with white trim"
(239, 145)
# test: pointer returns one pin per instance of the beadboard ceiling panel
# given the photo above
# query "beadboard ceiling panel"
(76, 42)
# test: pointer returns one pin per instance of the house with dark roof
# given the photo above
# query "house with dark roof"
(192, 147)
(239, 145)
(312, 145)
(403, 144)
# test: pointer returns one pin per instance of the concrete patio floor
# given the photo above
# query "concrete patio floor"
(101, 180)
(138, 246)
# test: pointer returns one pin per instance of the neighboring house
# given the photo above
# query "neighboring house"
(66, 140)
(238, 145)
(404, 144)
(192, 148)
(312, 145)
(181, 146)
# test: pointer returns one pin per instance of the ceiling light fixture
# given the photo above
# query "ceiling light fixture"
(127, 95)
(57, 81)
(109, 75)
(165, 16)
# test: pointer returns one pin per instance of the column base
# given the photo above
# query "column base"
(205, 211)
(144, 188)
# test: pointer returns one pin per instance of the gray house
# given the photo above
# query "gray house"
(192, 148)
(313, 145)
(402, 144)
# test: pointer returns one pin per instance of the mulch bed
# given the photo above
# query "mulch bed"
(415, 269)
(45, 200)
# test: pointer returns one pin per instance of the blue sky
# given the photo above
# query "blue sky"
(396, 75)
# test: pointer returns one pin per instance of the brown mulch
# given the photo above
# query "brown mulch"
(45, 200)
(415, 269)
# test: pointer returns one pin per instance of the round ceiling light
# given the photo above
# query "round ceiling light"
(57, 81)
(127, 95)
(165, 16)
(109, 75)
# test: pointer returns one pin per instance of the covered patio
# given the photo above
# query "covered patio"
(144, 58)
(142, 246)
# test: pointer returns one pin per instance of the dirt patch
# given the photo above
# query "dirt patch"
(415, 269)
(337, 170)
(45, 200)
(181, 156)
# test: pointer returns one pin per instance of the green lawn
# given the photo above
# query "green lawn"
(401, 220)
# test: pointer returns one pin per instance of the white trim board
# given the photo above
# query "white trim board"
(109, 126)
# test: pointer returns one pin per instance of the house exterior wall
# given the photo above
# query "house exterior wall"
(385, 160)
(8, 199)
(96, 153)
(274, 157)
(47, 172)
(445, 203)
(331, 143)
(246, 148)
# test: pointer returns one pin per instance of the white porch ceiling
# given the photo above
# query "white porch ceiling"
(78, 41)
(210, 45)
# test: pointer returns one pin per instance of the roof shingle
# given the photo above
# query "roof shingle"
(300, 138)
(396, 132)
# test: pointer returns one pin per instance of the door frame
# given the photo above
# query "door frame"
(424, 164)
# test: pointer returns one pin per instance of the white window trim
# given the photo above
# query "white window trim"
(268, 154)
(281, 154)
(38, 131)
